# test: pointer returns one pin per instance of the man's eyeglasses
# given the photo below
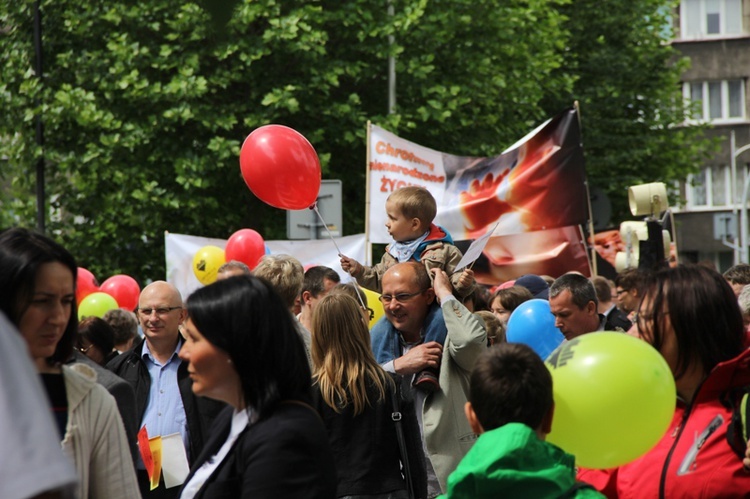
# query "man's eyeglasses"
(401, 297)
(621, 291)
(160, 312)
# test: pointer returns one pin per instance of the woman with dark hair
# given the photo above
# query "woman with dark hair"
(504, 301)
(243, 349)
(37, 294)
(690, 314)
(354, 395)
(96, 340)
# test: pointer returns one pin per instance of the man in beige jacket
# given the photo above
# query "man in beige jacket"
(409, 303)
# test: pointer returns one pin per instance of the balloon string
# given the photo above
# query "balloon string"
(315, 209)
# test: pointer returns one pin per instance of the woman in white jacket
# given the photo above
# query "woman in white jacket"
(37, 293)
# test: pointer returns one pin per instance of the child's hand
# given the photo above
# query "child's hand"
(466, 279)
(350, 265)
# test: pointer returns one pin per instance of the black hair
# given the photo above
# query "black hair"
(738, 274)
(631, 279)
(511, 297)
(246, 318)
(703, 312)
(22, 253)
(510, 384)
(98, 332)
(315, 277)
(581, 290)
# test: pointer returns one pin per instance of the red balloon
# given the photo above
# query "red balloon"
(281, 167)
(124, 289)
(246, 246)
(86, 284)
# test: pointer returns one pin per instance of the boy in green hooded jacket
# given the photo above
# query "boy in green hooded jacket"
(510, 407)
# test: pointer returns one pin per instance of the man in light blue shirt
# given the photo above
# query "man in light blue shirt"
(164, 398)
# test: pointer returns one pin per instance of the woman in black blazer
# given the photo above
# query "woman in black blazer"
(243, 349)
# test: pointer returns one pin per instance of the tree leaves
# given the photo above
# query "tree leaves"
(145, 106)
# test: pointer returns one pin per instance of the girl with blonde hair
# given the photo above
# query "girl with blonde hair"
(354, 396)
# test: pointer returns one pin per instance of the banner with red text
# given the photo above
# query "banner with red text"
(536, 184)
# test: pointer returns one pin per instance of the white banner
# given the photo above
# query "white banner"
(395, 163)
(181, 248)
(536, 184)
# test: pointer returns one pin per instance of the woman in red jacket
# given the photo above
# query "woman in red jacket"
(690, 314)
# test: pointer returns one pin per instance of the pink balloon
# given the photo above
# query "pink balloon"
(124, 289)
(281, 167)
(86, 284)
(246, 246)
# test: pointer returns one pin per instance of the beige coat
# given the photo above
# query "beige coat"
(447, 433)
(95, 439)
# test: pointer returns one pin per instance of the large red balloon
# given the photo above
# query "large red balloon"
(86, 284)
(124, 289)
(246, 246)
(281, 167)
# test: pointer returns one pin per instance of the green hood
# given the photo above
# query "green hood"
(511, 461)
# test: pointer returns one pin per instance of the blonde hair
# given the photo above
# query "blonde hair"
(494, 326)
(415, 202)
(343, 362)
(285, 273)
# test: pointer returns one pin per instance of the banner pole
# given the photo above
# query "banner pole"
(593, 264)
(368, 245)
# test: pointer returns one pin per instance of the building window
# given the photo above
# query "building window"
(719, 186)
(697, 189)
(717, 100)
(707, 18)
(712, 187)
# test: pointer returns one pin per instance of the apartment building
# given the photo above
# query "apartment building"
(715, 36)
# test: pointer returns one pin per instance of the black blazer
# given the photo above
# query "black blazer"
(199, 411)
(285, 455)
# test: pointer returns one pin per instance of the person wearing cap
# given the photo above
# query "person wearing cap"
(573, 302)
(538, 286)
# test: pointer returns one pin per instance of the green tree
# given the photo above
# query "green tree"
(145, 105)
(627, 81)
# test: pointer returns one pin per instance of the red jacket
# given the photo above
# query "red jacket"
(693, 459)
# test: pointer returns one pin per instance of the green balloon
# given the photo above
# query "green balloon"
(96, 304)
(614, 398)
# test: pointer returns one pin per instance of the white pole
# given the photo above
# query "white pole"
(733, 171)
(743, 208)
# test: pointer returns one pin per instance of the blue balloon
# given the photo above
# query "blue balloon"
(268, 250)
(532, 324)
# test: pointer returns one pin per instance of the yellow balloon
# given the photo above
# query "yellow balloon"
(373, 302)
(614, 398)
(206, 263)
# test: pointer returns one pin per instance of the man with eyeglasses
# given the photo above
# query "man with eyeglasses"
(165, 403)
(398, 343)
(628, 291)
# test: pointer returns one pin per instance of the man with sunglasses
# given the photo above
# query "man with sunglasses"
(398, 343)
(165, 403)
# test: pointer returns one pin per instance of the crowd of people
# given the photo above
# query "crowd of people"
(269, 383)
